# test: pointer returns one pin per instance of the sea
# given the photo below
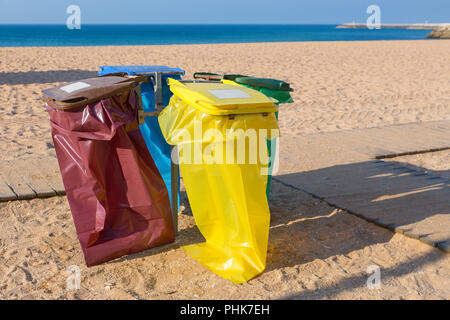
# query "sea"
(106, 35)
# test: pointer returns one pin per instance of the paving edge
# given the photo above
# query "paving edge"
(29, 196)
(410, 153)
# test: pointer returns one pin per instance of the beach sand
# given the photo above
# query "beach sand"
(314, 252)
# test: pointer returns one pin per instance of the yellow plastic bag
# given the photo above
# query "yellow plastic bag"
(228, 200)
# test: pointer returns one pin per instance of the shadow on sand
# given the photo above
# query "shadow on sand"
(360, 280)
(185, 237)
(386, 193)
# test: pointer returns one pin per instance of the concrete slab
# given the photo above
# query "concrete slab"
(30, 178)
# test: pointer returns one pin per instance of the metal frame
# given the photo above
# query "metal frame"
(198, 81)
(174, 168)
(209, 77)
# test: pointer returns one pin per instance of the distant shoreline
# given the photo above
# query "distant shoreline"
(414, 26)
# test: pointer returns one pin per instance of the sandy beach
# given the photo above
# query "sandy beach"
(315, 251)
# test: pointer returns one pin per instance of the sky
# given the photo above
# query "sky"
(222, 12)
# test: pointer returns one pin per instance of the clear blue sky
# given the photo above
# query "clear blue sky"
(222, 11)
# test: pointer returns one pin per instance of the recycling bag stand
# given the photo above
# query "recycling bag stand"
(155, 94)
(117, 197)
(273, 88)
(227, 195)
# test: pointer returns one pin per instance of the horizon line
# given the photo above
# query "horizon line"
(170, 24)
(215, 24)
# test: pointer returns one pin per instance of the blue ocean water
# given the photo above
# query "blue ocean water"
(99, 35)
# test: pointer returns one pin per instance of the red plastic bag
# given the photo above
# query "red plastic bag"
(118, 199)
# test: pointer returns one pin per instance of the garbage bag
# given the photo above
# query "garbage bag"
(273, 88)
(228, 200)
(117, 197)
(276, 89)
(157, 146)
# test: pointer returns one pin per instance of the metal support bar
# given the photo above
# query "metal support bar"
(158, 91)
(209, 77)
(197, 81)
(174, 186)
(139, 96)
(142, 115)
